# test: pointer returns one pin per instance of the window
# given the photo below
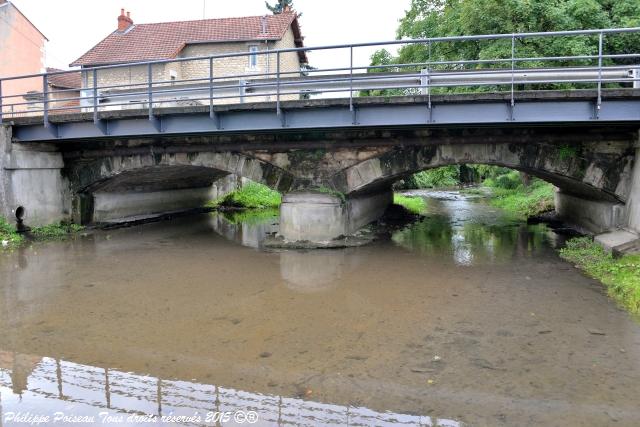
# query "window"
(253, 57)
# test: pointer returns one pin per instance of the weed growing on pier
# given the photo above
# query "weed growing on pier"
(621, 276)
(55, 231)
(413, 204)
(250, 196)
(8, 235)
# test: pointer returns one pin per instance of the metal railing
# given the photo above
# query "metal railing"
(151, 86)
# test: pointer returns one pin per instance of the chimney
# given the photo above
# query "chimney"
(124, 21)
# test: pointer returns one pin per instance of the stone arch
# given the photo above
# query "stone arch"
(171, 171)
(107, 187)
(593, 171)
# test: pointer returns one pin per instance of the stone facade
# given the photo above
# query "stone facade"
(136, 77)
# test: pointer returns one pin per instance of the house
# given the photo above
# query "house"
(131, 43)
(63, 93)
(22, 52)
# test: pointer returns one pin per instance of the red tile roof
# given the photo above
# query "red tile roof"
(64, 81)
(148, 42)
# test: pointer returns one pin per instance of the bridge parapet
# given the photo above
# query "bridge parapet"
(601, 70)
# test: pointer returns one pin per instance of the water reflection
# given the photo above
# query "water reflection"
(44, 386)
(471, 231)
(173, 315)
(247, 228)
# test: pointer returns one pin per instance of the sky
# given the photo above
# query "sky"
(75, 26)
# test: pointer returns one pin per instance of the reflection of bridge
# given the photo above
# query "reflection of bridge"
(54, 384)
(140, 138)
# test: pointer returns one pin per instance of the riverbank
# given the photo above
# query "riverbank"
(8, 235)
(510, 193)
(620, 276)
(414, 204)
(10, 238)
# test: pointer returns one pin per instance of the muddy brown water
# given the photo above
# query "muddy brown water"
(465, 318)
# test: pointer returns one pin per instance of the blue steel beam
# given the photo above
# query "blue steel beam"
(265, 119)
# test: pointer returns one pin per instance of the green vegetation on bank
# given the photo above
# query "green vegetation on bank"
(10, 238)
(510, 193)
(413, 204)
(621, 276)
(250, 196)
(442, 18)
(445, 176)
(55, 231)
(8, 235)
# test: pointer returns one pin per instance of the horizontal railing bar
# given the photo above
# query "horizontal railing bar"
(479, 83)
(356, 45)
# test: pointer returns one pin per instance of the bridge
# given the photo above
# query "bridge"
(152, 146)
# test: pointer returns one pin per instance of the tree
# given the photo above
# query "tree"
(442, 18)
(280, 6)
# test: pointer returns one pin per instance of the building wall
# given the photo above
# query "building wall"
(224, 68)
(22, 52)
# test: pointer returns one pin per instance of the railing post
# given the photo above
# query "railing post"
(278, 111)
(95, 95)
(600, 42)
(513, 72)
(424, 81)
(150, 89)
(350, 78)
(242, 89)
(429, 83)
(1, 101)
(211, 113)
(45, 100)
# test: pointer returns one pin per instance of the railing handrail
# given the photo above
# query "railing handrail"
(150, 88)
(337, 46)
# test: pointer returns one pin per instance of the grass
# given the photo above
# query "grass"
(621, 276)
(413, 204)
(55, 231)
(8, 236)
(250, 196)
(253, 216)
(531, 200)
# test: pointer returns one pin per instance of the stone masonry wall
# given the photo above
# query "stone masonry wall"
(199, 69)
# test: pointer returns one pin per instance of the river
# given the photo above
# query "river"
(465, 318)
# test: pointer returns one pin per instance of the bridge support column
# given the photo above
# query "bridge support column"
(595, 216)
(319, 217)
(633, 204)
(30, 177)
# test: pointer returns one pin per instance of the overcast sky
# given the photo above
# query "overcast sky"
(74, 26)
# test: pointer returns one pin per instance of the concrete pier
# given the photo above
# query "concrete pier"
(30, 177)
(319, 217)
(594, 216)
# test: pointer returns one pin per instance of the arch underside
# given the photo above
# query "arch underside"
(149, 172)
(588, 172)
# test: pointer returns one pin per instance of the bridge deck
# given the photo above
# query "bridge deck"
(477, 109)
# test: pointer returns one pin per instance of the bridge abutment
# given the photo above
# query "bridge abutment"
(319, 217)
(594, 216)
(31, 178)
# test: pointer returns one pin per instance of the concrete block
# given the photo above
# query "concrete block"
(320, 217)
(616, 241)
(592, 215)
(119, 207)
